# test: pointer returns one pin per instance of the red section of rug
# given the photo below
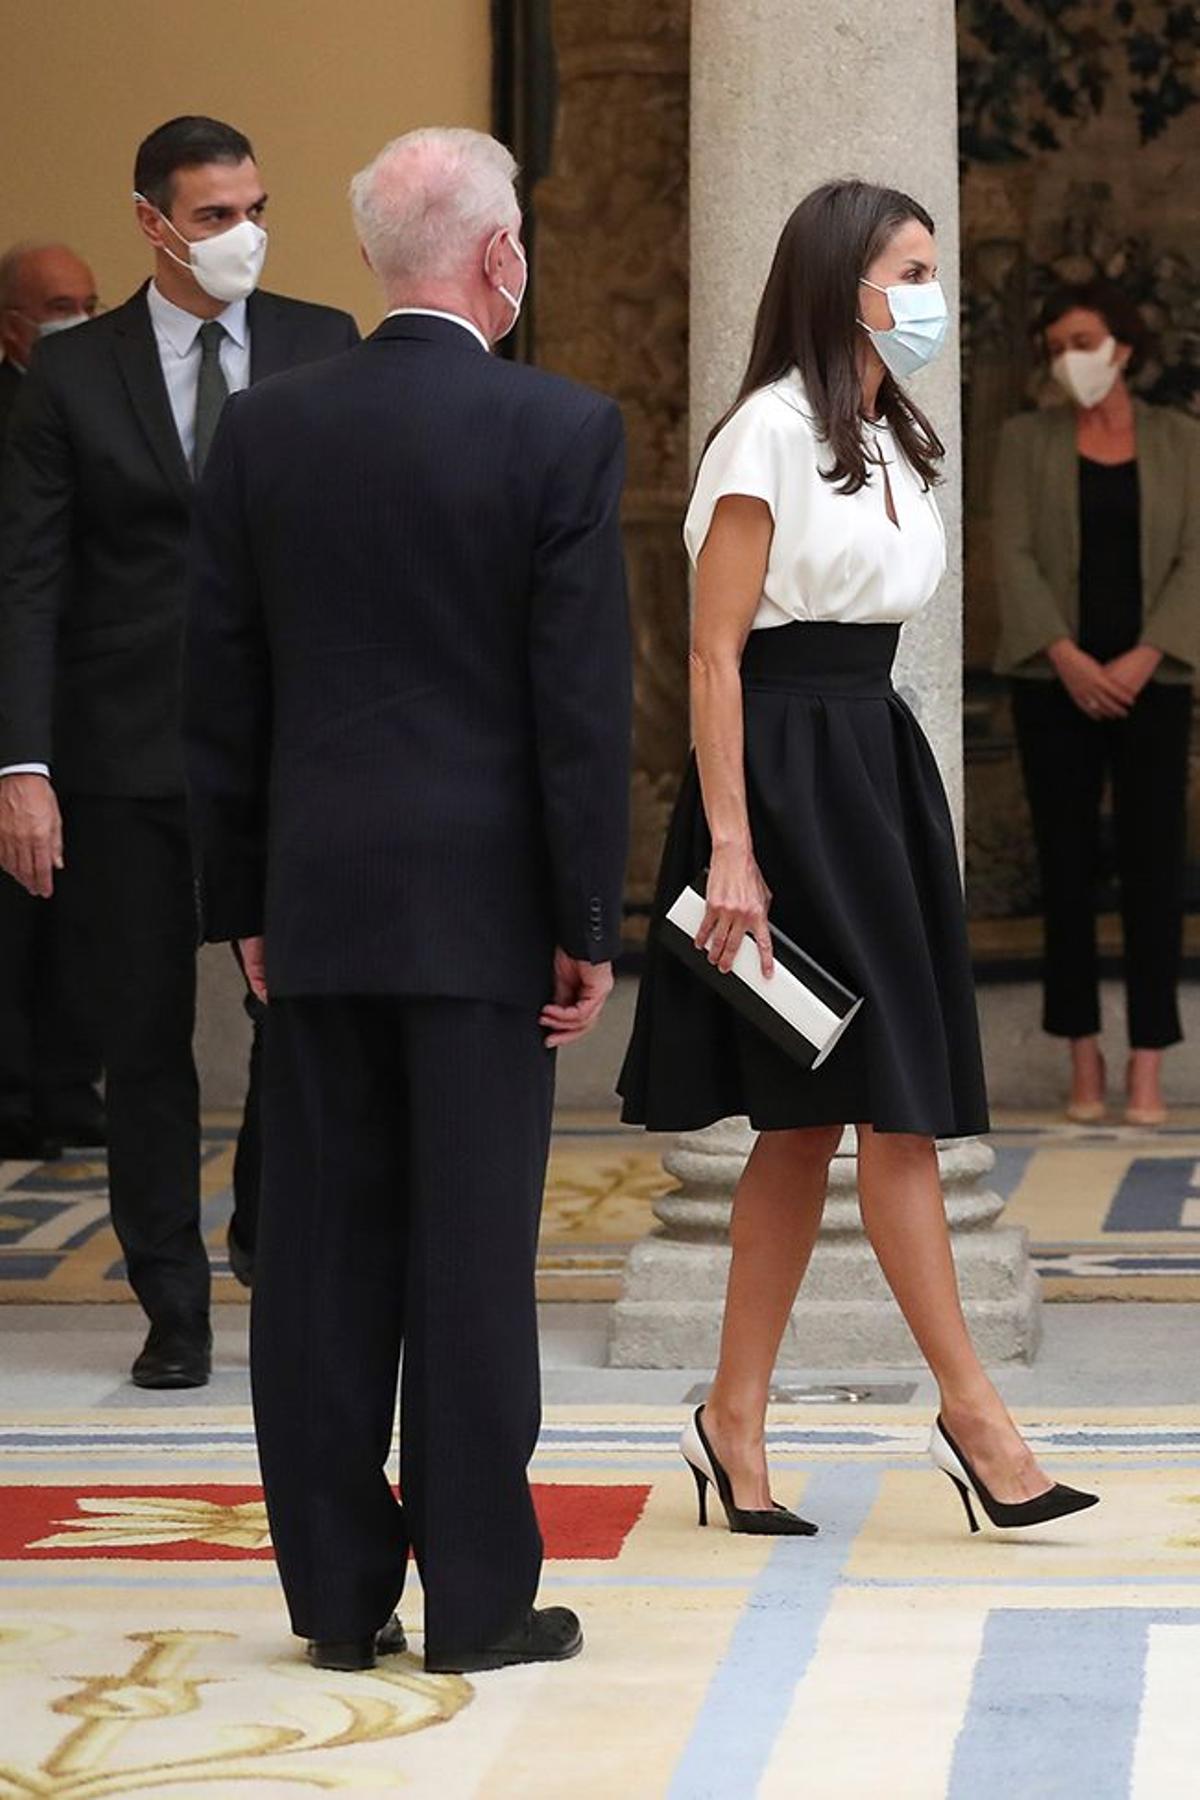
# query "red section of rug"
(228, 1524)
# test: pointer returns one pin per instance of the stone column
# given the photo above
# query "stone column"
(786, 94)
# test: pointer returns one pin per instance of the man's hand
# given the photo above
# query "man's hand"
(31, 839)
(580, 990)
(1095, 690)
(253, 952)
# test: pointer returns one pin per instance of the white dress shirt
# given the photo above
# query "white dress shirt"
(177, 335)
(431, 312)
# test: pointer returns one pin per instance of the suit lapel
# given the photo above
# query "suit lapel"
(141, 371)
(270, 345)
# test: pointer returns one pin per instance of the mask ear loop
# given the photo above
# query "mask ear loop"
(170, 227)
(505, 293)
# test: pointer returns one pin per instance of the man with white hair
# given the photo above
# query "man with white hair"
(408, 715)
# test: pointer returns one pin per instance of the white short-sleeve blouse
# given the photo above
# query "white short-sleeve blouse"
(834, 557)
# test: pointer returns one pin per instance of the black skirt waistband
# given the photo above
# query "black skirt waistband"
(820, 657)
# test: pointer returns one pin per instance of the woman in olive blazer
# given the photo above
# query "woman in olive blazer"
(1096, 519)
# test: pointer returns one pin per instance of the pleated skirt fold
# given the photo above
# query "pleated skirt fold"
(854, 838)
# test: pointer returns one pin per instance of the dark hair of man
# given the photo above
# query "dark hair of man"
(185, 143)
(1108, 302)
(808, 319)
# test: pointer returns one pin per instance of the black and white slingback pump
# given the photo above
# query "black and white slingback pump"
(772, 1521)
(1056, 1503)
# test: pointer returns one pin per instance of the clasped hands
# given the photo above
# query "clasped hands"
(1103, 690)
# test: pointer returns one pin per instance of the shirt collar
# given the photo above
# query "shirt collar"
(180, 328)
(431, 312)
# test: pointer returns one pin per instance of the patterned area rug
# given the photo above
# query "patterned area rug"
(1112, 1214)
(143, 1646)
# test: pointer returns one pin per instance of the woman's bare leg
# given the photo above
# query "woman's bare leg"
(776, 1216)
(904, 1215)
(1144, 1080)
(1087, 1072)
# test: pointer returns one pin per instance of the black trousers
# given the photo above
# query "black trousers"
(1067, 758)
(128, 890)
(405, 1145)
(48, 1041)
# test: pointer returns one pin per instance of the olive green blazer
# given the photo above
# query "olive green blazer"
(1035, 528)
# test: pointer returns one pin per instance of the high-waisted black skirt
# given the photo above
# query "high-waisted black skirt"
(853, 835)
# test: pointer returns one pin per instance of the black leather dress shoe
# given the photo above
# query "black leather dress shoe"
(549, 1634)
(174, 1356)
(358, 1653)
(241, 1260)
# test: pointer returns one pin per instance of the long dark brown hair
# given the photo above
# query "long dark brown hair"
(808, 320)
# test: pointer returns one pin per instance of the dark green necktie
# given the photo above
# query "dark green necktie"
(212, 391)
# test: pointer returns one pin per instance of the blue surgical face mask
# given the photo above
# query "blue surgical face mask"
(920, 321)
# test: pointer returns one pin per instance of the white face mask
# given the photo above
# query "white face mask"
(1088, 376)
(50, 327)
(514, 300)
(920, 321)
(227, 266)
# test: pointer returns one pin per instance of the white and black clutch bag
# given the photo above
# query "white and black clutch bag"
(802, 1008)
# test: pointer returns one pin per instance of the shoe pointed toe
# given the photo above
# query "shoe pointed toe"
(790, 1524)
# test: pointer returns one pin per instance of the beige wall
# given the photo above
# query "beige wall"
(317, 87)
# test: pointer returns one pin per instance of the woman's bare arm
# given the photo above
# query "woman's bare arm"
(729, 584)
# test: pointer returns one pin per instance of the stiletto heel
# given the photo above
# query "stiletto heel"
(701, 1493)
(772, 1521)
(964, 1494)
(1056, 1503)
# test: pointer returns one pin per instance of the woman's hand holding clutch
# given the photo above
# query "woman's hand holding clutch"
(738, 903)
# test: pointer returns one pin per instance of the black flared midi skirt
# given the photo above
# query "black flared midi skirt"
(853, 835)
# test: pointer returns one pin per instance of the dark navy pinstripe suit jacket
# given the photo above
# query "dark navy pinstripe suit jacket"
(407, 688)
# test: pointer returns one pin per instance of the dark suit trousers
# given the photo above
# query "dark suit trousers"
(128, 888)
(47, 1040)
(405, 1145)
(1067, 759)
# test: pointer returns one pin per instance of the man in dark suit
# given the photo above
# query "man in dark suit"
(408, 719)
(112, 425)
(49, 1060)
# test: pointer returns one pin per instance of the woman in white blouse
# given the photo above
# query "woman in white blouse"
(813, 796)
